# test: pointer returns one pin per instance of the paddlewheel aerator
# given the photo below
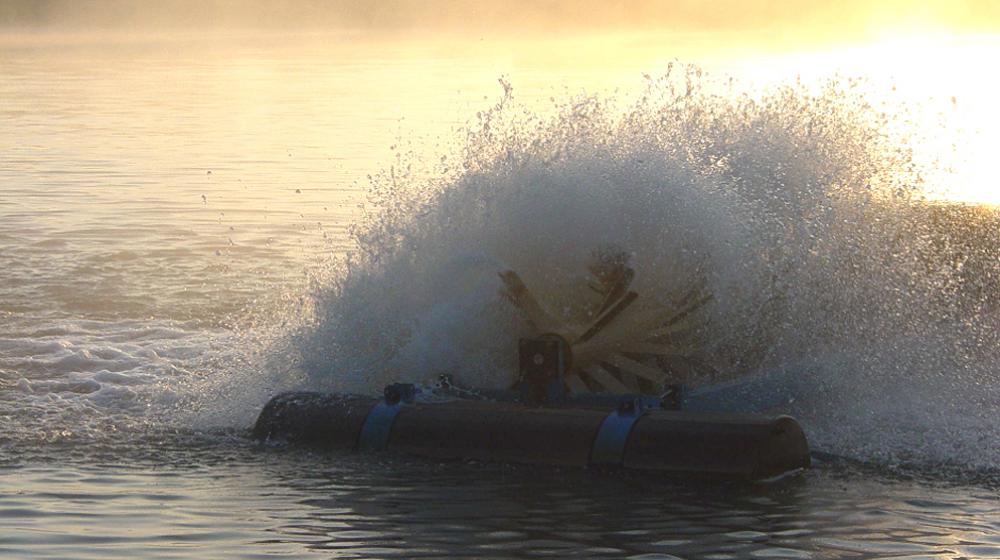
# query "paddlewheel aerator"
(621, 343)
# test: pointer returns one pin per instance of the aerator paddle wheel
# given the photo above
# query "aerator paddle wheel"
(616, 346)
(628, 410)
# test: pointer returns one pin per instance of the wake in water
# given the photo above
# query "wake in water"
(801, 214)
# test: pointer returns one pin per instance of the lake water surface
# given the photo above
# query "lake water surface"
(170, 206)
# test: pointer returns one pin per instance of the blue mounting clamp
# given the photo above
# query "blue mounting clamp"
(378, 424)
(609, 444)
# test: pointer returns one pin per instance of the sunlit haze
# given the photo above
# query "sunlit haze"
(927, 61)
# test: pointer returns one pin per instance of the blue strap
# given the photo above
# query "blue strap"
(378, 425)
(609, 445)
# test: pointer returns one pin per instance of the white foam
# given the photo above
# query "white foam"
(803, 214)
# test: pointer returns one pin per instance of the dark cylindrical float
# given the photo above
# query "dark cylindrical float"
(701, 443)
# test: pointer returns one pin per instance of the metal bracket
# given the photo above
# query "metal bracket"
(543, 363)
(672, 397)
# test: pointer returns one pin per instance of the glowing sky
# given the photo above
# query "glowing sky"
(784, 19)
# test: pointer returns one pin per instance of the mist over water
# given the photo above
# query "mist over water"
(804, 216)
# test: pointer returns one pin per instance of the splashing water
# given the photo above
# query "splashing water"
(801, 212)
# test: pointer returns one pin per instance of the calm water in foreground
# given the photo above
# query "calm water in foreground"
(220, 498)
(155, 194)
